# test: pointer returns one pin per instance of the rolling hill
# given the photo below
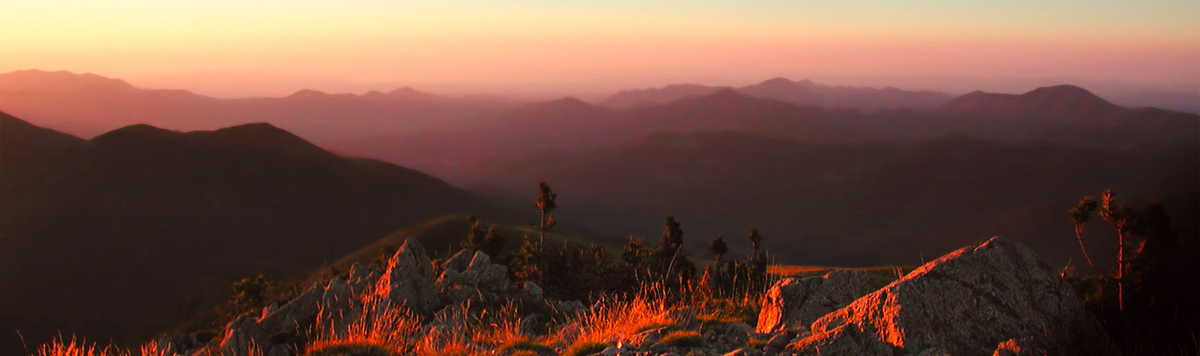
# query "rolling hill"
(126, 232)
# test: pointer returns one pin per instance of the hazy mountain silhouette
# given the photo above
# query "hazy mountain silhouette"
(803, 92)
(126, 232)
(839, 204)
(87, 105)
(1067, 114)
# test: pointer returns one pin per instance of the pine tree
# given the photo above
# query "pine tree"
(545, 203)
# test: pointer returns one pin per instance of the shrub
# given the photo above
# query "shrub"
(585, 348)
(683, 339)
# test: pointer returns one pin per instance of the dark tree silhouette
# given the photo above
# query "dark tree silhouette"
(1124, 220)
(718, 247)
(545, 203)
(755, 239)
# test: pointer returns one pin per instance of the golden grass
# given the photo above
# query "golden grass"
(585, 348)
(384, 329)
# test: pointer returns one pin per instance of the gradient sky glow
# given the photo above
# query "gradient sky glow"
(238, 48)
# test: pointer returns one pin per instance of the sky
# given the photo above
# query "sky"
(271, 48)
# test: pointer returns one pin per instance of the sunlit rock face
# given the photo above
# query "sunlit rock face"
(793, 304)
(409, 279)
(970, 302)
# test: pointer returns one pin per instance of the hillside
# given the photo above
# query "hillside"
(849, 204)
(140, 226)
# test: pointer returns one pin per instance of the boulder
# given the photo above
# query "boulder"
(969, 302)
(484, 274)
(409, 279)
(480, 281)
(646, 338)
(531, 293)
(793, 304)
(570, 307)
(459, 261)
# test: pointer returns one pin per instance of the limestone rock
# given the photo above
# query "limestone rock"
(845, 340)
(459, 261)
(480, 281)
(793, 304)
(486, 275)
(409, 279)
(531, 293)
(570, 307)
(361, 278)
(296, 313)
(339, 307)
(967, 303)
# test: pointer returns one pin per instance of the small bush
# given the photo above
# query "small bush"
(521, 346)
(683, 339)
(658, 325)
(756, 343)
(585, 348)
(353, 349)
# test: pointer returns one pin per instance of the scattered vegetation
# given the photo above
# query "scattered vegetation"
(1146, 298)
(585, 348)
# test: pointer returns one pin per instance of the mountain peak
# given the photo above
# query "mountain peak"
(1062, 92)
(779, 81)
(40, 80)
(406, 91)
(307, 93)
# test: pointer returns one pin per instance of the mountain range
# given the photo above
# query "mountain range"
(831, 175)
(127, 232)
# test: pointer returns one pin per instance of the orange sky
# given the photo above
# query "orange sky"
(232, 48)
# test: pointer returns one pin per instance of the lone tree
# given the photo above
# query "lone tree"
(545, 203)
(718, 247)
(1124, 220)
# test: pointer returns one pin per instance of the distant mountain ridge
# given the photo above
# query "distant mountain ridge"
(803, 92)
(87, 105)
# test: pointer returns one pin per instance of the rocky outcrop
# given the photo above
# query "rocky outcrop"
(477, 280)
(409, 279)
(275, 321)
(793, 304)
(979, 300)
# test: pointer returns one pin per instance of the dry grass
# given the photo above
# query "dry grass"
(381, 328)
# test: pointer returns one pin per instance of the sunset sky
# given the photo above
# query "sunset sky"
(239, 48)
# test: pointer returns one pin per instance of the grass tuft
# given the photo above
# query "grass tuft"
(683, 338)
(353, 349)
(512, 348)
(585, 348)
